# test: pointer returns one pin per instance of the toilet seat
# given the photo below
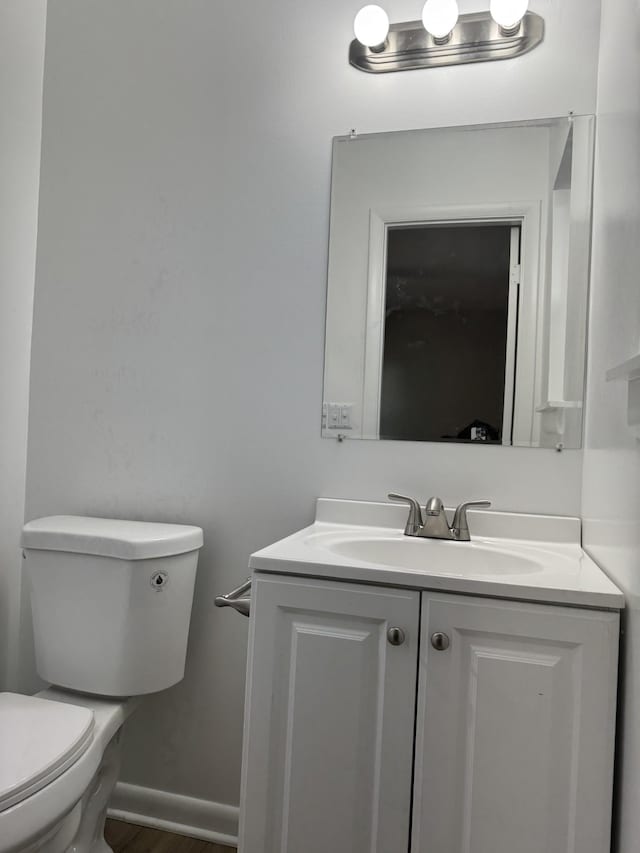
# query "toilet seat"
(39, 740)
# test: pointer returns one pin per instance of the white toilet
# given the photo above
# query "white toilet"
(111, 604)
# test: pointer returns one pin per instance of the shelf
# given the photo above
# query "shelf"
(552, 405)
(629, 371)
(554, 417)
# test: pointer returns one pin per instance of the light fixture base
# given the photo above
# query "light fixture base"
(509, 31)
(475, 38)
(442, 39)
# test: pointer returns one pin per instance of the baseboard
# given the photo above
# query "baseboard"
(175, 813)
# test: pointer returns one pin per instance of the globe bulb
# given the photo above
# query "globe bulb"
(371, 26)
(439, 18)
(508, 13)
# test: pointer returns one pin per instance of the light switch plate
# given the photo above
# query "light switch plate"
(337, 416)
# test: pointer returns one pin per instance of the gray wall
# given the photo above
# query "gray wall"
(611, 495)
(22, 27)
(179, 318)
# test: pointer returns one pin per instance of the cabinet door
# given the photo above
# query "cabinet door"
(515, 728)
(329, 721)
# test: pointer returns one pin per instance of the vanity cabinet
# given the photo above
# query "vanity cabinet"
(328, 745)
(515, 728)
(482, 726)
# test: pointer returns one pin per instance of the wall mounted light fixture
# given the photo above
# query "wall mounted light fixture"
(443, 37)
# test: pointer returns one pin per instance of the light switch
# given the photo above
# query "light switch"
(337, 416)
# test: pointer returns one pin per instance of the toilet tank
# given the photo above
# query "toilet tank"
(111, 601)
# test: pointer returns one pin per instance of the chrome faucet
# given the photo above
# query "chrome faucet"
(435, 524)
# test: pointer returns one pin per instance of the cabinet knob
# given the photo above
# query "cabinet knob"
(440, 641)
(396, 636)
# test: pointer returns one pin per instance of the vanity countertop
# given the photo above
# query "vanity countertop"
(511, 555)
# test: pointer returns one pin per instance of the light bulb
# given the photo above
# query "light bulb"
(371, 26)
(508, 13)
(439, 18)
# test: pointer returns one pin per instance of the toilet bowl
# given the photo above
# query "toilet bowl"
(61, 757)
(111, 605)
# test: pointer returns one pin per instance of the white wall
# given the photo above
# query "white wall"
(22, 26)
(179, 319)
(611, 495)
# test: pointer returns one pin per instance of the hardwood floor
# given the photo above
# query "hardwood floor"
(129, 838)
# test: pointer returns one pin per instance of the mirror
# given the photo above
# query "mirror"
(458, 284)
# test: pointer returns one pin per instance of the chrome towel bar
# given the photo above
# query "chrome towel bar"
(237, 599)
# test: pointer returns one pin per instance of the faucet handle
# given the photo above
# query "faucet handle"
(460, 526)
(414, 522)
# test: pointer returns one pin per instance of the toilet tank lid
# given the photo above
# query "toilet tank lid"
(110, 537)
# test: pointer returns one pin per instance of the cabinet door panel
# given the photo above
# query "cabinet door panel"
(515, 729)
(330, 719)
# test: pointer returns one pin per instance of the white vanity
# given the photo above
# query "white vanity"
(429, 696)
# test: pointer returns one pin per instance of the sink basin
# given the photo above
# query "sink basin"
(510, 555)
(432, 555)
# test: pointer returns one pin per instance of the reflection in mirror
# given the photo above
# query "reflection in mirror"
(447, 304)
(458, 279)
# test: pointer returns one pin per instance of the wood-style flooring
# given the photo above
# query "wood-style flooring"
(129, 838)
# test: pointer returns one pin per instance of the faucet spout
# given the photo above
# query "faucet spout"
(434, 507)
(436, 524)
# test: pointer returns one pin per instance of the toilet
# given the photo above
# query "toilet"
(111, 603)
